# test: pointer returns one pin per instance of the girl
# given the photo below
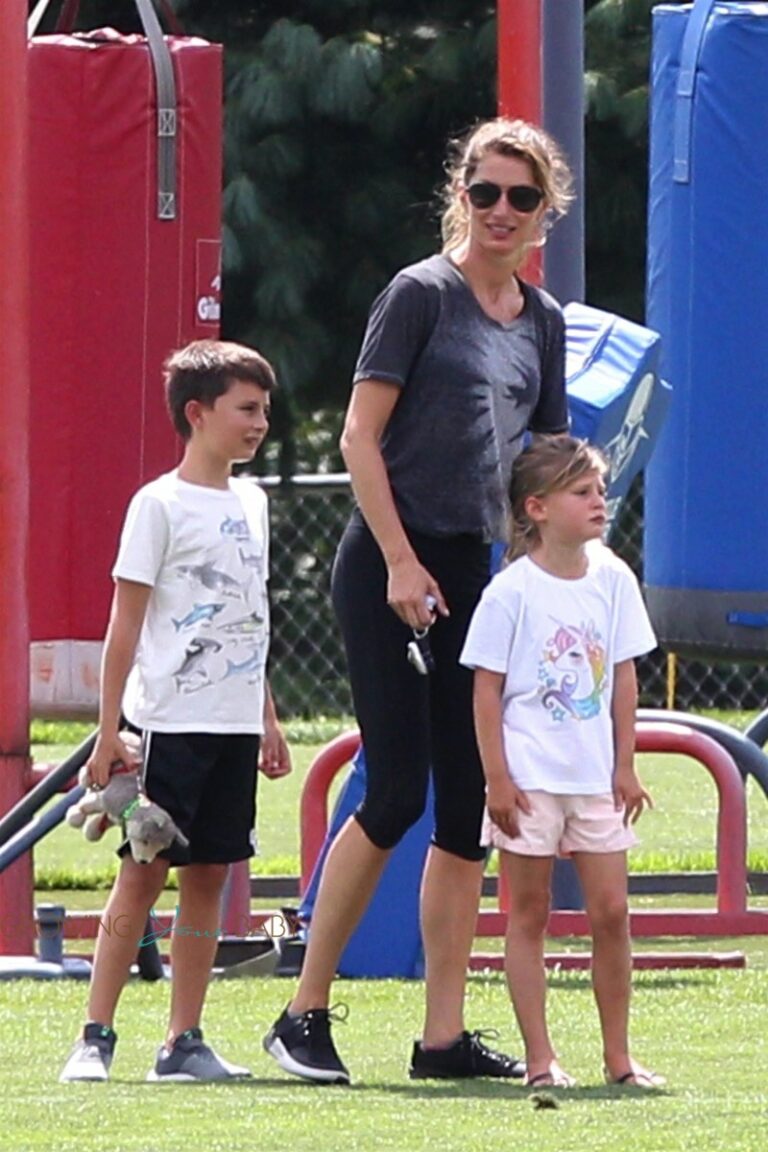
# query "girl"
(552, 643)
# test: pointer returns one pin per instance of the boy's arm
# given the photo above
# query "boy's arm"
(503, 797)
(129, 606)
(628, 792)
(275, 755)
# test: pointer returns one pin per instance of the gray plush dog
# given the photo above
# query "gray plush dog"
(148, 827)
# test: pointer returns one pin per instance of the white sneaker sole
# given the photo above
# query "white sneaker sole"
(185, 1078)
(84, 1078)
(278, 1051)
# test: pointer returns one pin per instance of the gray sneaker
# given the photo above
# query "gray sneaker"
(91, 1057)
(191, 1060)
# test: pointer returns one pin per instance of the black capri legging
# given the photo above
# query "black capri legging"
(410, 722)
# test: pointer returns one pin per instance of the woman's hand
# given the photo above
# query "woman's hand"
(504, 801)
(414, 594)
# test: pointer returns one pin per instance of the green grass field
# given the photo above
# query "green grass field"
(706, 1030)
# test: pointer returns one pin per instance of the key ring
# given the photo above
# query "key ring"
(419, 651)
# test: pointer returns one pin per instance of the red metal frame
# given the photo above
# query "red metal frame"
(313, 810)
(731, 916)
(16, 885)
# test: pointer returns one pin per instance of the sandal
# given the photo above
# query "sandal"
(636, 1078)
(552, 1078)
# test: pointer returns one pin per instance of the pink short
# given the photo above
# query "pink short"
(560, 825)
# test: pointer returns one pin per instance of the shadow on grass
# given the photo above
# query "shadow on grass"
(540, 1098)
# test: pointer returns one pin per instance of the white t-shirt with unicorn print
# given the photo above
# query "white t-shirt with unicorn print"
(556, 642)
(201, 658)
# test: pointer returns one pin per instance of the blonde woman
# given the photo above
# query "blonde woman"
(460, 358)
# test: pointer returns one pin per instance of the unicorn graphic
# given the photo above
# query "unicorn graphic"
(572, 672)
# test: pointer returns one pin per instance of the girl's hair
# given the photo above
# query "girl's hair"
(504, 138)
(548, 465)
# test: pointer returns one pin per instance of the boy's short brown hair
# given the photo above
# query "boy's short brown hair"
(205, 370)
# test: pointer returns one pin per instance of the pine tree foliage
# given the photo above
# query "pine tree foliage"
(336, 117)
(618, 44)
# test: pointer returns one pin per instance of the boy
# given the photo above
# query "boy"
(184, 659)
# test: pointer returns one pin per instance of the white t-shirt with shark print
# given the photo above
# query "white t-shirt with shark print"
(201, 657)
(557, 642)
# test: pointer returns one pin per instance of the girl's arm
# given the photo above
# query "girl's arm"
(129, 606)
(628, 792)
(409, 583)
(503, 797)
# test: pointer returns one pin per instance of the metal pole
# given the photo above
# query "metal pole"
(563, 118)
(16, 885)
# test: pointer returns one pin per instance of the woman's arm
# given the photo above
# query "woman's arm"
(409, 583)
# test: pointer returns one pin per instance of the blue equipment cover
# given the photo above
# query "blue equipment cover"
(706, 494)
(387, 941)
(615, 396)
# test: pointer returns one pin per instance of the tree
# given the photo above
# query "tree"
(337, 115)
(617, 38)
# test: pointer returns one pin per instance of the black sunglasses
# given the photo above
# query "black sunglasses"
(521, 197)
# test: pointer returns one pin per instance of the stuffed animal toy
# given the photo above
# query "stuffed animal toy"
(148, 827)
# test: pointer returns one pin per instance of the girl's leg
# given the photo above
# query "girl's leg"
(135, 891)
(604, 881)
(193, 943)
(528, 879)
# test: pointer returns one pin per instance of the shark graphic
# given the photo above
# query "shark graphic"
(211, 578)
(200, 612)
(192, 673)
(254, 662)
(243, 625)
(253, 560)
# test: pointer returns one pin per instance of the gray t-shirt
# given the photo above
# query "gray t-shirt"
(471, 387)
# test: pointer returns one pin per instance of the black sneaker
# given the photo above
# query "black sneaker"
(302, 1045)
(190, 1059)
(91, 1057)
(467, 1057)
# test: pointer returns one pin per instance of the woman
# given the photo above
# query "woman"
(460, 358)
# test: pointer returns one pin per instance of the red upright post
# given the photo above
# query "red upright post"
(519, 59)
(16, 886)
(519, 87)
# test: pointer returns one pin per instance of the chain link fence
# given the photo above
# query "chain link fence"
(307, 666)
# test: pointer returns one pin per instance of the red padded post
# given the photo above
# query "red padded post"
(16, 927)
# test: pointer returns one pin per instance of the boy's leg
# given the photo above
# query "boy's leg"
(122, 928)
(193, 943)
(133, 895)
(528, 880)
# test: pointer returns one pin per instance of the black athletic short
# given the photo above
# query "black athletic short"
(207, 783)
